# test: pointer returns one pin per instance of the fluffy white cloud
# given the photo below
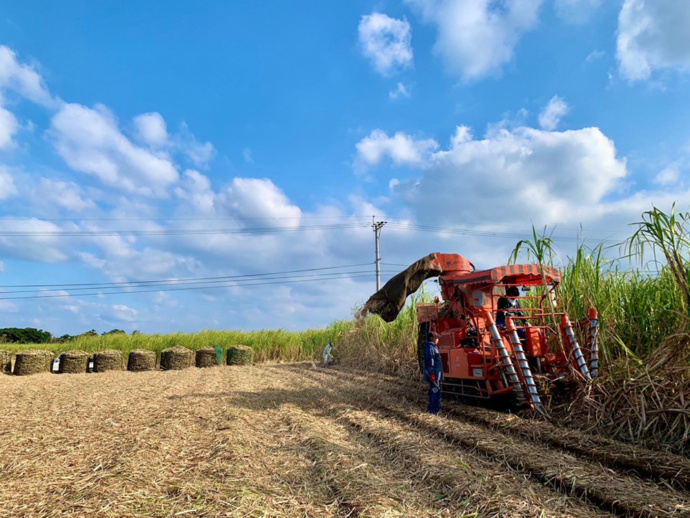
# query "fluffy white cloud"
(124, 313)
(8, 127)
(653, 34)
(90, 141)
(520, 174)
(386, 42)
(552, 113)
(7, 187)
(477, 37)
(196, 190)
(252, 198)
(576, 11)
(200, 153)
(401, 148)
(22, 79)
(399, 92)
(151, 129)
(67, 195)
(39, 244)
(667, 176)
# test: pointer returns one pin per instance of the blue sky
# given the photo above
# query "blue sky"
(152, 156)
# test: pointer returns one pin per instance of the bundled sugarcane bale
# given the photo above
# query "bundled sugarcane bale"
(74, 362)
(206, 357)
(240, 355)
(176, 358)
(108, 360)
(6, 361)
(141, 360)
(33, 362)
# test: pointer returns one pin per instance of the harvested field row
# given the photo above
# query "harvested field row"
(260, 441)
(621, 494)
(658, 465)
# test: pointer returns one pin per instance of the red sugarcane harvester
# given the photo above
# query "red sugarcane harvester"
(535, 347)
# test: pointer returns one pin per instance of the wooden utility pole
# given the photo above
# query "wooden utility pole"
(377, 225)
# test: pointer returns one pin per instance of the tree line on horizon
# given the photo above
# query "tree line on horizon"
(30, 335)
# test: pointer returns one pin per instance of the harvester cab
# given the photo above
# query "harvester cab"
(502, 332)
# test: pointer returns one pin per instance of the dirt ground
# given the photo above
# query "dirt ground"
(292, 440)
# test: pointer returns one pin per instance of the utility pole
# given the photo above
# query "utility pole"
(377, 225)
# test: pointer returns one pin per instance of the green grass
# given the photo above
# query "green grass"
(267, 344)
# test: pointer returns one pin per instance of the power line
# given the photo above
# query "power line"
(173, 232)
(468, 231)
(190, 279)
(198, 284)
(227, 218)
(343, 275)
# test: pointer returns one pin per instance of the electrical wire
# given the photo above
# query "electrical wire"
(343, 275)
(198, 284)
(186, 279)
(173, 232)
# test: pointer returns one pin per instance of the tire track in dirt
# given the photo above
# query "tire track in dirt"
(618, 493)
(461, 482)
(475, 483)
(657, 465)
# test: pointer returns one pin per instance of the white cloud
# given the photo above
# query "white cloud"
(576, 11)
(200, 153)
(521, 174)
(67, 195)
(196, 190)
(399, 92)
(90, 141)
(8, 127)
(477, 37)
(401, 148)
(7, 187)
(22, 79)
(124, 313)
(151, 129)
(252, 198)
(667, 177)
(386, 42)
(653, 34)
(38, 245)
(551, 115)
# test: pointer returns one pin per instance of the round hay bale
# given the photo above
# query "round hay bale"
(6, 358)
(33, 362)
(108, 360)
(141, 360)
(74, 362)
(176, 358)
(240, 355)
(206, 357)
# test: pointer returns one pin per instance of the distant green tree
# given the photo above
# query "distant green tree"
(115, 332)
(27, 335)
(93, 332)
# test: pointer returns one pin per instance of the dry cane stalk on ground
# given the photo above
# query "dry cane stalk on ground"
(267, 440)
